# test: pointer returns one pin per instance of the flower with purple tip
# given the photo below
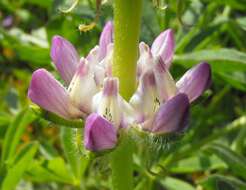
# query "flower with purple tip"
(100, 134)
(74, 100)
(159, 105)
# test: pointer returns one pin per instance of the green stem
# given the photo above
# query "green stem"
(127, 19)
(70, 150)
(122, 165)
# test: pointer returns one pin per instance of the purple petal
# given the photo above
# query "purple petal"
(172, 116)
(110, 86)
(65, 57)
(100, 134)
(92, 56)
(48, 93)
(195, 81)
(163, 46)
(105, 39)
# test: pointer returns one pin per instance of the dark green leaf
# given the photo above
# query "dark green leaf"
(15, 173)
(171, 183)
(217, 182)
(235, 162)
(14, 132)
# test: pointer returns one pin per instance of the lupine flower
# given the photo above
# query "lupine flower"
(159, 105)
(162, 105)
(75, 99)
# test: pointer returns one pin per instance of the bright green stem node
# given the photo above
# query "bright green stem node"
(127, 19)
(122, 165)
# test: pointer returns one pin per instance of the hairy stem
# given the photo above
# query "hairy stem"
(122, 165)
(127, 19)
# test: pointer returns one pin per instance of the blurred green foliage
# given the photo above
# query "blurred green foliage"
(211, 155)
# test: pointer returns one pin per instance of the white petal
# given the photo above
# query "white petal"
(145, 60)
(107, 62)
(165, 84)
(83, 87)
(107, 103)
(146, 100)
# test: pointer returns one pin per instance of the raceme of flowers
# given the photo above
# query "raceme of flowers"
(159, 106)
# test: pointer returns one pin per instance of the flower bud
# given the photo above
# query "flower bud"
(99, 134)
(65, 58)
(49, 94)
(195, 81)
(83, 87)
(172, 116)
(105, 39)
(163, 46)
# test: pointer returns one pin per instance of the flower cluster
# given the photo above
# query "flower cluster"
(158, 106)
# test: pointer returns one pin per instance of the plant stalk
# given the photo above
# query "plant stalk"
(122, 165)
(127, 19)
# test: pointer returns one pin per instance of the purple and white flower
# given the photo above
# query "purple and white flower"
(160, 105)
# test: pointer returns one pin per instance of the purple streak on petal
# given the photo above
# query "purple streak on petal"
(163, 46)
(48, 93)
(107, 62)
(83, 87)
(145, 100)
(195, 81)
(105, 39)
(172, 116)
(165, 84)
(145, 61)
(148, 80)
(65, 57)
(100, 134)
(110, 86)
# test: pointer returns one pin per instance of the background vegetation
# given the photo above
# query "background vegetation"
(211, 155)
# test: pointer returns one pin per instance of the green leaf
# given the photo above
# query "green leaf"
(215, 182)
(198, 163)
(171, 183)
(220, 59)
(54, 170)
(14, 133)
(144, 184)
(44, 4)
(5, 119)
(242, 22)
(23, 160)
(235, 4)
(236, 162)
(40, 56)
(237, 80)
(57, 165)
